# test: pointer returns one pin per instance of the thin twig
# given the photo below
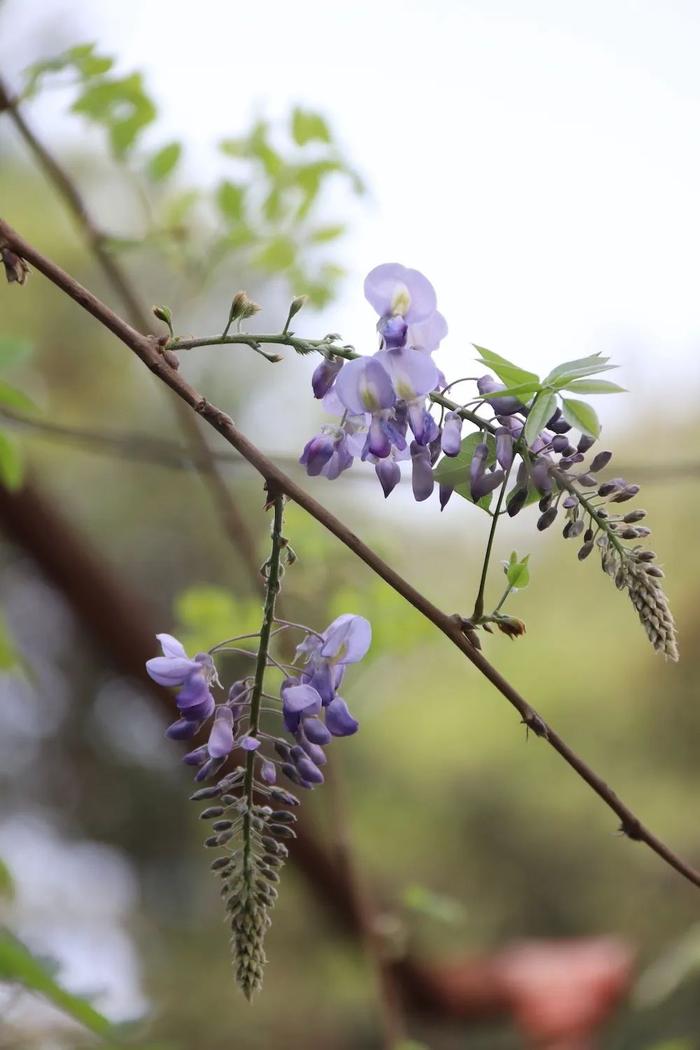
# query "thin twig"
(149, 352)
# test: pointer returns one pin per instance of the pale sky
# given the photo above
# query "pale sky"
(539, 161)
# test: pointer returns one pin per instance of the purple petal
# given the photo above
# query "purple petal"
(451, 440)
(268, 772)
(365, 386)
(198, 757)
(339, 720)
(502, 406)
(445, 495)
(309, 771)
(210, 768)
(198, 712)
(347, 639)
(325, 375)
(393, 332)
(389, 474)
(316, 453)
(427, 335)
(170, 670)
(485, 484)
(249, 743)
(183, 729)
(394, 289)
(413, 374)
(504, 448)
(378, 440)
(299, 697)
(170, 646)
(424, 427)
(422, 479)
(315, 752)
(220, 741)
(315, 731)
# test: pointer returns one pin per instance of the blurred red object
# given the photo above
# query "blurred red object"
(558, 993)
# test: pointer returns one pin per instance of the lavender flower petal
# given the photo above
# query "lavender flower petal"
(394, 289)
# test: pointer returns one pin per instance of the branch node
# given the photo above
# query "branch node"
(537, 724)
(632, 828)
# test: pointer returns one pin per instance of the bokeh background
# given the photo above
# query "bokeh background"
(540, 163)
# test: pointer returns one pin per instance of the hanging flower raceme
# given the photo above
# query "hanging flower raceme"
(386, 394)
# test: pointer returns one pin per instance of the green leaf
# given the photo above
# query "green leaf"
(326, 233)
(81, 58)
(517, 572)
(14, 398)
(205, 613)
(19, 966)
(561, 376)
(7, 883)
(119, 105)
(594, 386)
(179, 208)
(9, 657)
(509, 373)
(230, 197)
(593, 361)
(13, 351)
(277, 255)
(309, 127)
(581, 416)
(514, 391)
(435, 906)
(542, 409)
(11, 462)
(260, 148)
(164, 162)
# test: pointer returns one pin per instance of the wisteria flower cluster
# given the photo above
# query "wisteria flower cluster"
(273, 736)
(382, 399)
(520, 448)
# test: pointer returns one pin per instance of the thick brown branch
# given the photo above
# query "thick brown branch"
(146, 348)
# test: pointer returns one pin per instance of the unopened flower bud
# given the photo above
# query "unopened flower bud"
(242, 307)
(16, 269)
(164, 314)
(546, 519)
(600, 461)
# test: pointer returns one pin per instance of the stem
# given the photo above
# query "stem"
(479, 603)
(272, 587)
(502, 602)
(146, 349)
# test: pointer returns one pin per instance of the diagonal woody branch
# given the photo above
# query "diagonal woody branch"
(165, 367)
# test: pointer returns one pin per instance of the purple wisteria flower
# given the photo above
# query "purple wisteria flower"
(194, 677)
(312, 709)
(393, 290)
(385, 395)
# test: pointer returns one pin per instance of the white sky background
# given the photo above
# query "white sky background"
(539, 161)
